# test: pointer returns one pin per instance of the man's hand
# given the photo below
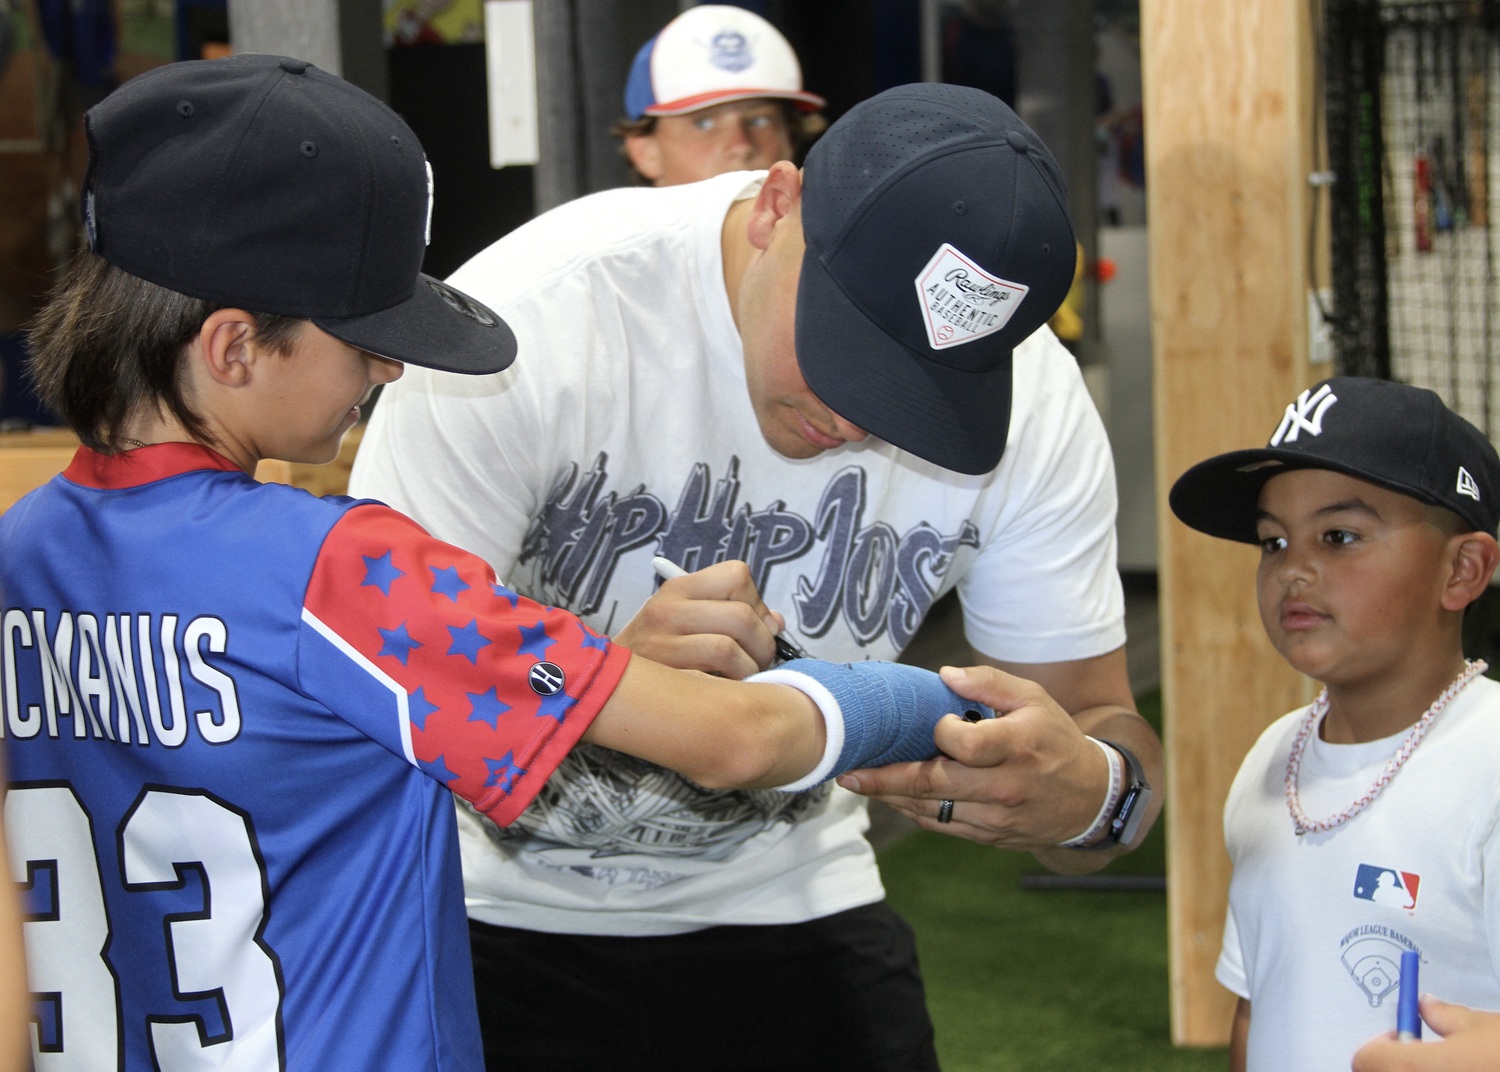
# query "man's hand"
(1027, 779)
(1471, 1043)
(713, 620)
(1022, 780)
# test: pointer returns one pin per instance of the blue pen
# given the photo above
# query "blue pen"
(666, 569)
(1408, 1017)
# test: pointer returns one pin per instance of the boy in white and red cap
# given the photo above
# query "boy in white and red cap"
(718, 89)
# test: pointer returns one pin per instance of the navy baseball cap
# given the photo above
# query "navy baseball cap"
(1391, 434)
(938, 238)
(263, 182)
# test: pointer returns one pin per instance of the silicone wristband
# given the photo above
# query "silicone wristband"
(1111, 799)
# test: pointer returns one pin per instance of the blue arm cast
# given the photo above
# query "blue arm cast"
(881, 712)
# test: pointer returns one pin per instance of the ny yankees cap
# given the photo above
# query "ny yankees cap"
(711, 54)
(1400, 437)
(938, 238)
(265, 183)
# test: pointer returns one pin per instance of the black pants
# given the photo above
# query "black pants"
(842, 992)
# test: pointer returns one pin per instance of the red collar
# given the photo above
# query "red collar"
(143, 465)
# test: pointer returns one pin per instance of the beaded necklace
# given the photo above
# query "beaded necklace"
(1300, 822)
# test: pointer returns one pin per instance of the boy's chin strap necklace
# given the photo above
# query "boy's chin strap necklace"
(1300, 822)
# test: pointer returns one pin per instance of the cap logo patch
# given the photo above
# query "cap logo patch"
(962, 302)
(1467, 485)
(1255, 467)
(729, 51)
(462, 303)
(1296, 419)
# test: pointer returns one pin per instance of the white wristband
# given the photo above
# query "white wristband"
(833, 722)
(1111, 799)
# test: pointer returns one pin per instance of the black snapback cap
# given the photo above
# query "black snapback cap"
(1397, 436)
(263, 182)
(938, 238)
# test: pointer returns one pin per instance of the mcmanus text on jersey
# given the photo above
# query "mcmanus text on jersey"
(130, 678)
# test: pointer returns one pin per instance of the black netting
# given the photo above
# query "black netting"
(1413, 121)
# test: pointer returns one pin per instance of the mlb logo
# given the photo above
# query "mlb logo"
(1385, 885)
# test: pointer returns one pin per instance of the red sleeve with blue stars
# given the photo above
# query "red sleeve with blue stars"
(481, 688)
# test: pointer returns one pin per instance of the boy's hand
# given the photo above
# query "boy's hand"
(1471, 1043)
(713, 620)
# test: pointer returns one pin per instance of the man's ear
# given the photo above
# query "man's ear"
(779, 197)
(645, 155)
(222, 346)
(1473, 561)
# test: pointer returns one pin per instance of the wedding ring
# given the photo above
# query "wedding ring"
(945, 811)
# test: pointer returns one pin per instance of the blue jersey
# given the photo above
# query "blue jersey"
(233, 714)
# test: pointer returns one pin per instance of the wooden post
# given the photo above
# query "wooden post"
(1228, 107)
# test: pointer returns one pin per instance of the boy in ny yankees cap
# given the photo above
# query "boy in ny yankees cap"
(237, 714)
(1367, 824)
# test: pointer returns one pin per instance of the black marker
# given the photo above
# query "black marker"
(666, 569)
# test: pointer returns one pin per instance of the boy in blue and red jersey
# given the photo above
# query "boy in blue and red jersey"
(233, 712)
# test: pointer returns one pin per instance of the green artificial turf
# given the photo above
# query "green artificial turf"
(1026, 980)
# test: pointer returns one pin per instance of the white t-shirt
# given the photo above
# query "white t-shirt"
(623, 431)
(1317, 924)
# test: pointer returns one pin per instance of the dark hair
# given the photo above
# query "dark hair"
(108, 343)
(802, 129)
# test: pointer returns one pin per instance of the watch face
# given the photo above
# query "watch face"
(1132, 810)
(1122, 812)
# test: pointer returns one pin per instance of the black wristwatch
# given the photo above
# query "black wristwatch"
(1131, 811)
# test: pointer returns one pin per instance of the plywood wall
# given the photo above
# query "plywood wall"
(1227, 104)
(29, 459)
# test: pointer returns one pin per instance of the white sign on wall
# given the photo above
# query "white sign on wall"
(510, 61)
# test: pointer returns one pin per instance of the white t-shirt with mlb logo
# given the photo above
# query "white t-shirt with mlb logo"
(1317, 924)
(623, 431)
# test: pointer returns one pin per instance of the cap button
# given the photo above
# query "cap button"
(1018, 141)
(292, 66)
